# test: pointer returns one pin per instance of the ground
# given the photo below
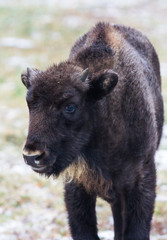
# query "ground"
(38, 34)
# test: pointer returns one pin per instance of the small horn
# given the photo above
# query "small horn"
(84, 75)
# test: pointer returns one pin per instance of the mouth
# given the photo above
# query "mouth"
(40, 164)
(39, 169)
(47, 164)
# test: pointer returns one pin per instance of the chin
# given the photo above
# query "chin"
(48, 171)
(53, 168)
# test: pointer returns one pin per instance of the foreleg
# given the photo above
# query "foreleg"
(81, 212)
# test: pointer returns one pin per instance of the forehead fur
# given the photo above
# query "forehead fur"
(60, 78)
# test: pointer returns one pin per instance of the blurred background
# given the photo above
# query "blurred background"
(38, 33)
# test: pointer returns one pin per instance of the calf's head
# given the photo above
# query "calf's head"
(61, 102)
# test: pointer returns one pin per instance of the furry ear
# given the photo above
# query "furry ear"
(29, 76)
(102, 85)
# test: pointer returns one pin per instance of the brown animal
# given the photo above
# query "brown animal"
(96, 119)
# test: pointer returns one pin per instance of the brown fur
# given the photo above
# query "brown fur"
(101, 32)
(97, 120)
(81, 173)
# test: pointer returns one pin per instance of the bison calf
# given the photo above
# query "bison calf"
(97, 120)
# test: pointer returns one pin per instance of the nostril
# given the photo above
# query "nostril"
(38, 157)
(32, 160)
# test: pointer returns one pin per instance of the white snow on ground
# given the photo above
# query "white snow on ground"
(107, 235)
(164, 69)
(161, 154)
(16, 42)
(74, 3)
(161, 159)
(164, 237)
(15, 61)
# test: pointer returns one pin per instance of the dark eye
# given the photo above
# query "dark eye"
(70, 108)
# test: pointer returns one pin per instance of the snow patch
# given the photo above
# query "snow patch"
(161, 159)
(22, 43)
(164, 68)
(107, 235)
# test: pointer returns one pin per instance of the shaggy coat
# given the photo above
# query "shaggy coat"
(96, 119)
